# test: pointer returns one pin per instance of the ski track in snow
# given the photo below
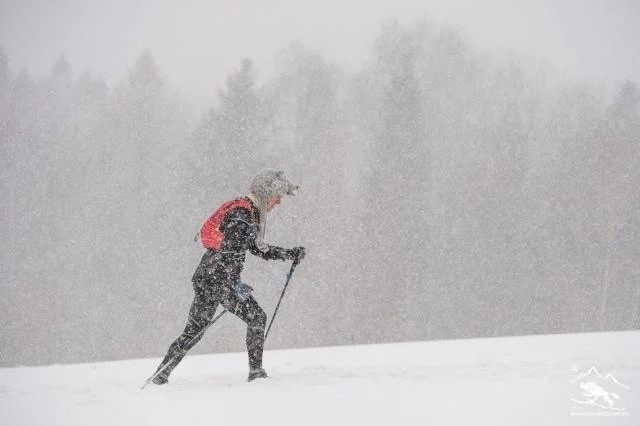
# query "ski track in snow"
(510, 381)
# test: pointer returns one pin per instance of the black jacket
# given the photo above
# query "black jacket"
(219, 268)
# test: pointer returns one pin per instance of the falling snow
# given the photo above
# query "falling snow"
(447, 191)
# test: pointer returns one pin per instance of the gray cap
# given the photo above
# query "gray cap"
(271, 183)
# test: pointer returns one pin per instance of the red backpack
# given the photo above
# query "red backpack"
(210, 233)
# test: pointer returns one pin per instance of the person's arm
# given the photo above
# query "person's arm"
(275, 252)
(272, 252)
(240, 233)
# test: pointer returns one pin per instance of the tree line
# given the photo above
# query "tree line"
(442, 196)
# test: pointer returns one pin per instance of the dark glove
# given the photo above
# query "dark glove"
(296, 254)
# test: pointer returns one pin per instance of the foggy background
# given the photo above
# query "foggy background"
(465, 170)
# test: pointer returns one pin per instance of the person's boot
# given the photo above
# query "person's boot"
(256, 373)
(163, 377)
(160, 380)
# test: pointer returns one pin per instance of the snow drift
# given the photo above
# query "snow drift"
(532, 380)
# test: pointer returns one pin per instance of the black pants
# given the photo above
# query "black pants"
(206, 301)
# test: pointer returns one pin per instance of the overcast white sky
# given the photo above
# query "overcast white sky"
(199, 42)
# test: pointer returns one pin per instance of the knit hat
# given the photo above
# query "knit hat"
(268, 183)
(271, 183)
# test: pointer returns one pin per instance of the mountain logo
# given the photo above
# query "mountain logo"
(599, 391)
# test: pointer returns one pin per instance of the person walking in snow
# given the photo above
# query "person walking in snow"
(234, 228)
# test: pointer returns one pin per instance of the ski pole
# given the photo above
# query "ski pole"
(160, 370)
(293, 266)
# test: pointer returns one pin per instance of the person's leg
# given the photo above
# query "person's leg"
(201, 313)
(253, 315)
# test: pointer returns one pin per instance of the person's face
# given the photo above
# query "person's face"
(272, 202)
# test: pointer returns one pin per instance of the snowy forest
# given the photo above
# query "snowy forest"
(443, 194)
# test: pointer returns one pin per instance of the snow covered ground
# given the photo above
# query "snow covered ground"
(578, 379)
